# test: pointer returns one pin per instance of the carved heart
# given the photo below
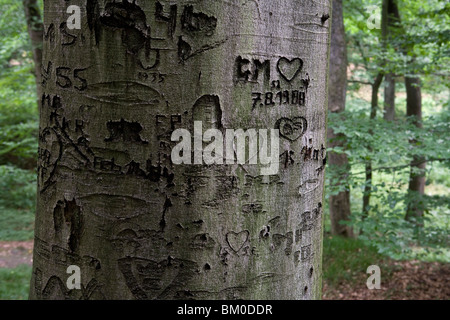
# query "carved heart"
(148, 279)
(289, 69)
(291, 129)
(237, 240)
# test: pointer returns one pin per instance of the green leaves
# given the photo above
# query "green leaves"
(387, 145)
(17, 188)
(18, 125)
(389, 142)
(18, 109)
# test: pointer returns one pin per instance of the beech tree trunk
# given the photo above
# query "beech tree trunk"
(339, 204)
(389, 18)
(368, 165)
(417, 176)
(389, 97)
(111, 201)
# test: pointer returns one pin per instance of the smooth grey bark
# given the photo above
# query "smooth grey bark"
(111, 201)
(339, 204)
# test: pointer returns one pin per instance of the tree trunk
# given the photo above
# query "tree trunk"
(417, 176)
(36, 32)
(111, 198)
(389, 18)
(368, 166)
(389, 97)
(339, 204)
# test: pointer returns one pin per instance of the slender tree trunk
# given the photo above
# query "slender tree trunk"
(340, 203)
(417, 176)
(389, 18)
(416, 186)
(111, 200)
(36, 32)
(389, 97)
(368, 166)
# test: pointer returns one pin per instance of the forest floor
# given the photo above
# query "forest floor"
(405, 280)
(15, 253)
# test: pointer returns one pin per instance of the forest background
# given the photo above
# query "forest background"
(388, 223)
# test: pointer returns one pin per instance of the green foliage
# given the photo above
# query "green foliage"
(344, 259)
(387, 230)
(13, 31)
(15, 283)
(18, 116)
(16, 225)
(387, 145)
(18, 110)
(17, 203)
(420, 44)
(18, 142)
(17, 188)
(18, 125)
(389, 142)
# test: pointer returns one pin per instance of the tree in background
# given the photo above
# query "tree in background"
(375, 87)
(392, 27)
(339, 203)
(382, 152)
(417, 176)
(389, 20)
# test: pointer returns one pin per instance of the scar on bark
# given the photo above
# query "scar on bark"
(171, 19)
(93, 14)
(69, 212)
(124, 131)
(202, 241)
(265, 232)
(167, 205)
(197, 22)
(133, 268)
(151, 172)
(208, 106)
(63, 30)
(185, 50)
(54, 289)
(38, 283)
(50, 34)
(132, 20)
(324, 17)
(306, 82)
